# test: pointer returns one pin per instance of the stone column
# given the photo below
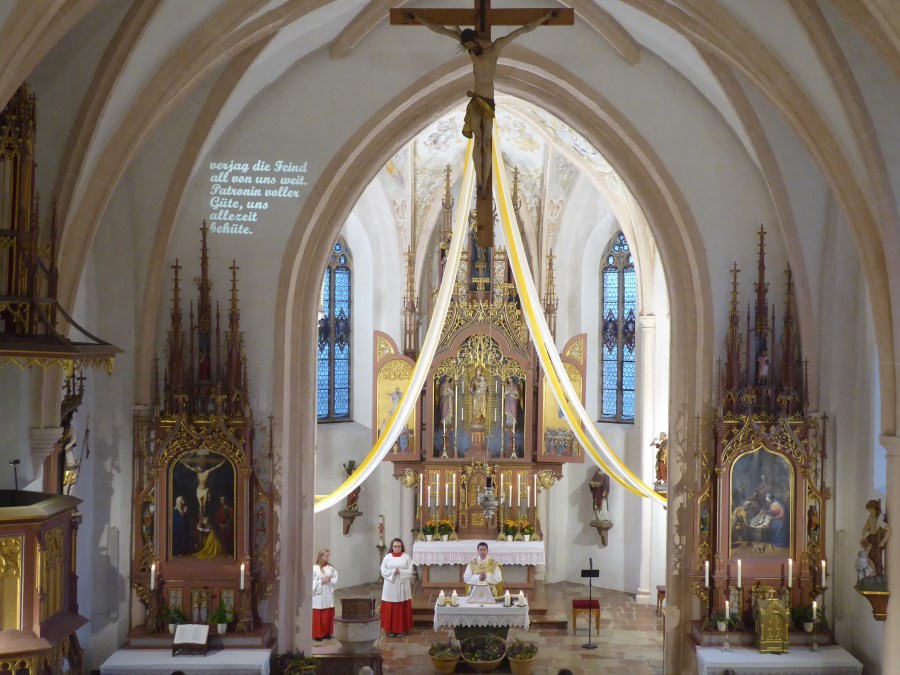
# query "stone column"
(646, 371)
(890, 648)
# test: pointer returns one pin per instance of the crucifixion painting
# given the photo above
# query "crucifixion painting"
(484, 53)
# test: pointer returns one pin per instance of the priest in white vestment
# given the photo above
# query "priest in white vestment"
(484, 569)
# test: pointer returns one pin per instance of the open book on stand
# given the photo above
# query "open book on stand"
(191, 638)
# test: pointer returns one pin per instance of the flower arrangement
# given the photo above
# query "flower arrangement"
(510, 527)
(430, 527)
(445, 527)
(521, 650)
(526, 528)
(444, 650)
(293, 663)
(484, 648)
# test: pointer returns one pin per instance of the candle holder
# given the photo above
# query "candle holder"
(245, 620)
(382, 550)
(703, 594)
(726, 646)
(815, 645)
(737, 606)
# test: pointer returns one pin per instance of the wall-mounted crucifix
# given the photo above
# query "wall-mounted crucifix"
(484, 54)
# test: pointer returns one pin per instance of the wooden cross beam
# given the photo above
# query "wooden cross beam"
(484, 54)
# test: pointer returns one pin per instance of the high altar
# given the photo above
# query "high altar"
(202, 495)
(760, 516)
(486, 418)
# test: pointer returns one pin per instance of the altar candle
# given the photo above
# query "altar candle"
(507, 601)
(509, 501)
(790, 571)
(421, 486)
(706, 574)
(727, 610)
(502, 490)
(528, 497)
(823, 571)
(535, 489)
(243, 572)
(447, 493)
(814, 611)
(153, 576)
(454, 489)
(429, 492)
(739, 574)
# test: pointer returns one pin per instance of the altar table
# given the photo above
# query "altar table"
(519, 557)
(495, 619)
(832, 660)
(463, 551)
(161, 662)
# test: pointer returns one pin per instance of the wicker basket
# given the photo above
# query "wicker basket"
(479, 641)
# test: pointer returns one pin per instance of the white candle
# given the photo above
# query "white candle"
(502, 491)
(507, 601)
(447, 493)
(823, 571)
(535, 489)
(509, 501)
(437, 492)
(814, 611)
(739, 574)
(706, 574)
(454, 489)
(421, 486)
(243, 572)
(528, 497)
(153, 577)
(727, 610)
(790, 571)
(429, 492)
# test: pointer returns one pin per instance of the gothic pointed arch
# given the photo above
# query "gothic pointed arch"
(333, 345)
(618, 293)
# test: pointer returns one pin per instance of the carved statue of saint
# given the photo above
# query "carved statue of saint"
(599, 487)
(875, 535)
(662, 458)
(479, 389)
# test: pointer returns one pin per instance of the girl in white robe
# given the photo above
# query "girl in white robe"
(396, 593)
(324, 579)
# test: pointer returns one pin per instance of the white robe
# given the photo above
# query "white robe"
(396, 586)
(492, 578)
(323, 593)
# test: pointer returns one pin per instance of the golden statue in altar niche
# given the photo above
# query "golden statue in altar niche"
(479, 389)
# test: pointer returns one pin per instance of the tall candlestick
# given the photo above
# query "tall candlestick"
(823, 572)
(380, 529)
(153, 576)
(243, 572)
(421, 487)
(790, 571)
(437, 491)
(454, 489)
(739, 574)
(706, 574)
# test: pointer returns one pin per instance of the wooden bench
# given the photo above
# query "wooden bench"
(592, 606)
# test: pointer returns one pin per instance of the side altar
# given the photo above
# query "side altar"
(203, 496)
(486, 437)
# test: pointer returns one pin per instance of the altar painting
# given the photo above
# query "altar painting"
(393, 379)
(201, 508)
(557, 439)
(762, 505)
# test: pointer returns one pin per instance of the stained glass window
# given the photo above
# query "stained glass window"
(333, 348)
(618, 332)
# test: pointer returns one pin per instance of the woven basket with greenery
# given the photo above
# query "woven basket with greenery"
(483, 653)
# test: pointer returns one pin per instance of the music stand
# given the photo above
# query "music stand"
(590, 574)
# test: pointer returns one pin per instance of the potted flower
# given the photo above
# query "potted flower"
(445, 529)
(527, 530)
(510, 527)
(293, 663)
(521, 655)
(174, 616)
(429, 528)
(723, 621)
(483, 653)
(221, 618)
(444, 656)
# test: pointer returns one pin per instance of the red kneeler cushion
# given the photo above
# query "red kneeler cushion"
(586, 604)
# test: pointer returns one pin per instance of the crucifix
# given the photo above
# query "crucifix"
(484, 54)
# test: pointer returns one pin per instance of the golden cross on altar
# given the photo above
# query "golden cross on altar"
(484, 53)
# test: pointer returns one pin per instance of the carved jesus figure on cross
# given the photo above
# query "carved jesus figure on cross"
(484, 53)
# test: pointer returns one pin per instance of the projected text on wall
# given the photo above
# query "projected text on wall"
(241, 192)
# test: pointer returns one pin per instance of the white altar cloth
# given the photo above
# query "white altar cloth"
(495, 615)
(464, 551)
(832, 660)
(161, 662)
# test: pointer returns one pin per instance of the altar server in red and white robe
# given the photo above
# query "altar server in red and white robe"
(324, 579)
(396, 594)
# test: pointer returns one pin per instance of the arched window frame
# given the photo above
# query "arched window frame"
(618, 321)
(333, 350)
